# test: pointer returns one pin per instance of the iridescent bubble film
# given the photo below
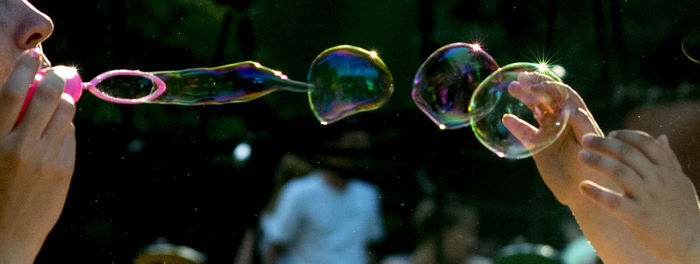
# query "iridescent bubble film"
(445, 82)
(519, 110)
(691, 46)
(346, 80)
(233, 83)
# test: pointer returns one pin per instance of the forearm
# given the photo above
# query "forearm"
(611, 239)
(17, 250)
(691, 254)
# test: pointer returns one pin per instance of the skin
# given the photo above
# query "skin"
(37, 154)
(658, 202)
(562, 170)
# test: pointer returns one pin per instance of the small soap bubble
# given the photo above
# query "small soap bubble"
(446, 80)
(519, 110)
(345, 80)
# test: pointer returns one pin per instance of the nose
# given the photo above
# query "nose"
(33, 27)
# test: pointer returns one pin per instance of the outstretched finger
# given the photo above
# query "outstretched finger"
(522, 130)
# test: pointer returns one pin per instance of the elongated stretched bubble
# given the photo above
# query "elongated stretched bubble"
(519, 110)
(346, 80)
(342, 81)
(445, 82)
(233, 83)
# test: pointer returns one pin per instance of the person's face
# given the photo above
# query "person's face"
(22, 27)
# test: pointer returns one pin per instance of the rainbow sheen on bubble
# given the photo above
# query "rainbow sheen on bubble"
(342, 81)
(690, 46)
(233, 83)
(346, 80)
(519, 110)
(446, 81)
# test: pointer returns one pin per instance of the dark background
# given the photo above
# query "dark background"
(149, 171)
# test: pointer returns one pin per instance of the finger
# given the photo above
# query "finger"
(523, 131)
(60, 123)
(530, 78)
(645, 143)
(621, 151)
(619, 173)
(582, 120)
(663, 139)
(671, 158)
(67, 152)
(582, 123)
(534, 89)
(42, 105)
(615, 203)
(14, 91)
(539, 102)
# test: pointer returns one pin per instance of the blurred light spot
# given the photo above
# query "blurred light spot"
(135, 146)
(242, 152)
(558, 70)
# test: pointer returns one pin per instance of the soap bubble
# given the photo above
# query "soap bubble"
(519, 110)
(691, 46)
(346, 80)
(446, 80)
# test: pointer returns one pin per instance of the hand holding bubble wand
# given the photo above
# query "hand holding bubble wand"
(461, 85)
(342, 81)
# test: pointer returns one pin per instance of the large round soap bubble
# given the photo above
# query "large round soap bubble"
(519, 110)
(346, 80)
(446, 80)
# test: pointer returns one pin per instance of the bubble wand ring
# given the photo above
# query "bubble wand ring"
(157, 82)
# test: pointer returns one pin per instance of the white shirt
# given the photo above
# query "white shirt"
(320, 224)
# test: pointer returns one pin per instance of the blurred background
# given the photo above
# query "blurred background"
(150, 171)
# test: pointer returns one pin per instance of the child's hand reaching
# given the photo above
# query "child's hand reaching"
(659, 203)
(558, 164)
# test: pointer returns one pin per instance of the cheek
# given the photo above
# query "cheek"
(8, 57)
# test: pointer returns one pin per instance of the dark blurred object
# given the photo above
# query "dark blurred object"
(163, 252)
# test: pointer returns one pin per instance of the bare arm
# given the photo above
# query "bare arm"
(562, 170)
